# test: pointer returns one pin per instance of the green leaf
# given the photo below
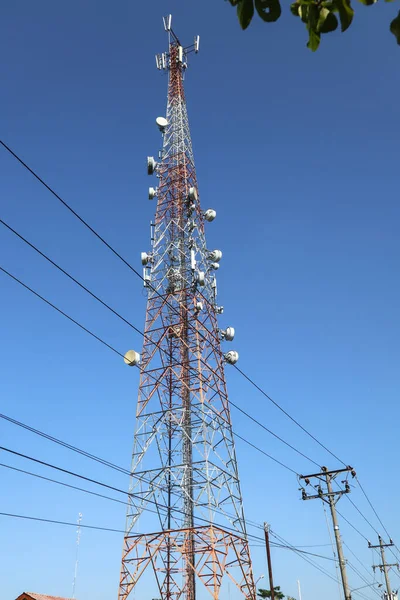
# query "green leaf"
(268, 10)
(346, 13)
(234, 2)
(245, 12)
(327, 21)
(314, 37)
(295, 9)
(303, 12)
(395, 28)
(368, 2)
(313, 40)
(313, 14)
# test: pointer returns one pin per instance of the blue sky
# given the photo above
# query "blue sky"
(298, 153)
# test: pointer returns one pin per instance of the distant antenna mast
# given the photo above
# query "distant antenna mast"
(78, 540)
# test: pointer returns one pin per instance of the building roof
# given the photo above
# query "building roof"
(34, 596)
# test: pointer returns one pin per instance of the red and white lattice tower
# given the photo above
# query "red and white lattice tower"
(185, 483)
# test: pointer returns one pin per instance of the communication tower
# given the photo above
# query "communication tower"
(185, 489)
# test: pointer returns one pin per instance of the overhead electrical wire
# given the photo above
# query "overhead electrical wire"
(120, 257)
(63, 313)
(98, 299)
(127, 472)
(76, 488)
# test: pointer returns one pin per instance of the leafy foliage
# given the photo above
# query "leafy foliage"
(267, 594)
(319, 17)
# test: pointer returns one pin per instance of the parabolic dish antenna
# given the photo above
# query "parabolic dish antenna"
(161, 123)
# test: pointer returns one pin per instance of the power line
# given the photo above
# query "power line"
(285, 545)
(310, 561)
(63, 313)
(68, 485)
(64, 272)
(272, 433)
(253, 383)
(120, 257)
(53, 521)
(93, 295)
(371, 505)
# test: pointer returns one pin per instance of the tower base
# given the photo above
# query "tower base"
(170, 555)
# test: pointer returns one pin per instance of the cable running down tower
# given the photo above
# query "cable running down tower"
(184, 461)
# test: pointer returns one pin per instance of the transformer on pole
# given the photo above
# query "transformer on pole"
(185, 489)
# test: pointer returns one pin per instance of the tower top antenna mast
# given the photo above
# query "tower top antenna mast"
(163, 61)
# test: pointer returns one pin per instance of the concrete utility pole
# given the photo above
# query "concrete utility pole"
(268, 549)
(384, 567)
(331, 498)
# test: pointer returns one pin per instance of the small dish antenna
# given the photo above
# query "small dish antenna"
(215, 255)
(132, 358)
(210, 215)
(228, 334)
(152, 193)
(161, 123)
(231, 357)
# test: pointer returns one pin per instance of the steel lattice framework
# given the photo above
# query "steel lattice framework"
(184, 466)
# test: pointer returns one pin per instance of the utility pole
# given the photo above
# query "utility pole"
(331, 497)
(384, 567)
(268, 549)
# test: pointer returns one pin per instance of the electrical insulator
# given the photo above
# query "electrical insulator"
(214, 266)
(132, 358)
(303, 495)
(219, 310)
(210, 215)
(198, 306)
(231, 357)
